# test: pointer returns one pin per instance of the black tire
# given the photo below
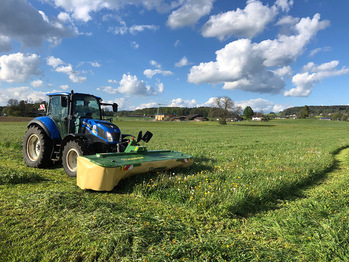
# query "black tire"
(37, 148)
(71, 151)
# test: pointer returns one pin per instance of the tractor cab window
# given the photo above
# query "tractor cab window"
(86, 106)
(56, 111)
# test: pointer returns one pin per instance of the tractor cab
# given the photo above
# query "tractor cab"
(68, 109)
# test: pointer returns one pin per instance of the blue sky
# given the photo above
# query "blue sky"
(269, 55)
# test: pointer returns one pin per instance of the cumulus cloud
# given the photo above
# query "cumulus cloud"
(147, 105)
(179, 102)
(285, 71)
(244, 65)
(242, 23)
(262, 105)
(20, 93)
(36, 83)
(313, 74)
(18, 67)
(108, 89)
(189, 13)
(21, 21)
(130, 85)
(61, 67)
(82, 10)
(183, 62)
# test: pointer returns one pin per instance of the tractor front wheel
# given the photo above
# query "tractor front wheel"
(71, 151)
(37, 147)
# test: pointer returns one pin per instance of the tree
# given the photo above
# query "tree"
(225, 108)
(248, 112)
(305, 112)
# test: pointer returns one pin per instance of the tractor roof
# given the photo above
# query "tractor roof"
(67, 93)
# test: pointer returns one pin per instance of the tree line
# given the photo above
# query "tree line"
(223, 109)
(335, 112)
(21, 108)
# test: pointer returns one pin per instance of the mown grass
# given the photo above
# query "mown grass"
(257, 191)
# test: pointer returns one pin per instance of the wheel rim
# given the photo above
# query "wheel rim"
(71, 159)
(33, 147)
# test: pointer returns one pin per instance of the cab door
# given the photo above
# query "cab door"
(58, 112)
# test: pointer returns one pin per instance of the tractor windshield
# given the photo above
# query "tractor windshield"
(86, 106)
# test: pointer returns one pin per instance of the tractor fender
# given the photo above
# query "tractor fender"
(47, 124)
(71, 137)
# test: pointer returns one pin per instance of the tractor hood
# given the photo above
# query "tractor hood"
(105, 130)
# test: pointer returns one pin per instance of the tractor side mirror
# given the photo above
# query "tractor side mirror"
(139, 136)
(115, 107)
(64, 101)
(147, 136)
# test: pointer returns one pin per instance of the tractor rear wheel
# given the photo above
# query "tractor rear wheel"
(71, 151)
(37, 147)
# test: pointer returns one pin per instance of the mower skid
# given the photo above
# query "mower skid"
(102, 172)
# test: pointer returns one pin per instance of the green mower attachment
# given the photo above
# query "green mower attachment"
(102, 172)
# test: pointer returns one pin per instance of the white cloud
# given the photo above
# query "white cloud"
(189, 13)
(183, 62)
(243, 23)
(313, 74)
(81, 10)
(149, 73)
(285, 71)
(134, 45)
(286, 49)
(179, 102)
(19, 20)
(147, 105)
(288, 20)
(317, 50)
(109, 90)
(20, 93)
(262, 105)
(284, 5)
(177, 43)
(18, 67)
(95, 64)
(140, 28)
(59, 66)
(64, 87)
(36, 83)
(130, 85)
(244, 65)
(160, 86)
(54, 62)
(112, 81)
(124, 29)
(155, 64)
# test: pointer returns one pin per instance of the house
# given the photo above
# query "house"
(200, 119)
(178, 118)
(196, 117)
(161, 117)
(325, 118)
(259, 118)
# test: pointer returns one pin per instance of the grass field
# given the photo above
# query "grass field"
(275, 191)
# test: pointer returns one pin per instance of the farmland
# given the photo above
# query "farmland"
(273, 191)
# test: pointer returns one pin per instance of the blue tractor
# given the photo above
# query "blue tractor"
(73, 126)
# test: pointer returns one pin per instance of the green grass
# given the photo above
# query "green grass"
(257, 191)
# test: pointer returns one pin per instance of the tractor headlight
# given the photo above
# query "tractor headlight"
(109, 137)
